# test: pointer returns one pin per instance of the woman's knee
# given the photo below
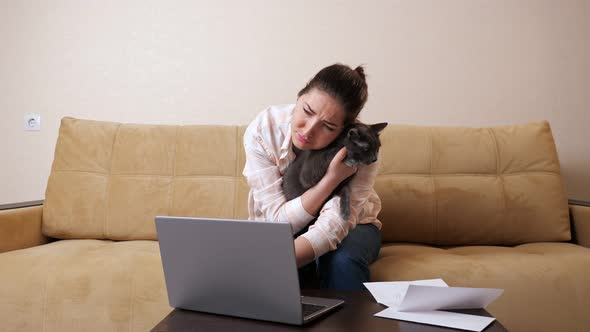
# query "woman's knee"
(355, 254)
(362, 244)
(345, 259)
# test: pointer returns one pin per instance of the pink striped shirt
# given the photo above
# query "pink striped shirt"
(268, 147)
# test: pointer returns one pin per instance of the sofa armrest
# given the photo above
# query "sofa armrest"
(20, 226)
(580, 219)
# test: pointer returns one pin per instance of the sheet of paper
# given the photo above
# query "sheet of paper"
(440, 318)
(420, 298)
(421, 301)
(391, 293)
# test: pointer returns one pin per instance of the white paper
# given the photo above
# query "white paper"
(422, 301)
(419, 298)
(391, 293)
(440, 318)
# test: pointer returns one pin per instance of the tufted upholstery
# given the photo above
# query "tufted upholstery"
(482, 207)
(83, 285)
(461, 186)
(440, 186)
(109, 180)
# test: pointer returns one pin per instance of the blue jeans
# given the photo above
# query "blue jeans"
(347, 267)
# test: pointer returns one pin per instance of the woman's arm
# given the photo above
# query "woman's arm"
(313, 199)
(264, 158)
(304, 253)
(265, 182)
(330, 229)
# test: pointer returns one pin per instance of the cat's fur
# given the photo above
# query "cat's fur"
(362, 144)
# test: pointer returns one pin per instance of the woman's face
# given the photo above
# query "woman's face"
(317, 120)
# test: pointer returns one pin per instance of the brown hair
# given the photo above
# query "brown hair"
(343, 83)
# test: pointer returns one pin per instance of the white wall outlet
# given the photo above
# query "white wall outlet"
(32, 122)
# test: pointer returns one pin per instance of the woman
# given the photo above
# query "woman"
(342, 249)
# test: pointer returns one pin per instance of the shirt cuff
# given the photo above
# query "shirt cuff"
(318, 241)
(296, 214)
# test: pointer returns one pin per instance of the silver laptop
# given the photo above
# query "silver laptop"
(236, 268)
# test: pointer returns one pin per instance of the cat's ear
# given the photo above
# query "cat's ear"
(353, 134)
(378, 127)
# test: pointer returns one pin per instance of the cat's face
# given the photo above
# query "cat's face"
(363, 144)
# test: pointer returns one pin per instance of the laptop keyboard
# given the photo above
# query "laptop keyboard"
(309, 309)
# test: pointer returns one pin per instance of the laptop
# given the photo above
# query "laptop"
(235, 267)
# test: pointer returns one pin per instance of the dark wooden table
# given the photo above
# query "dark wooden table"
(355, 315)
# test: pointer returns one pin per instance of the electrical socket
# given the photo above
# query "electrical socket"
(32, 121)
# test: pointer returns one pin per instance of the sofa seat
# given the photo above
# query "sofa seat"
(64, 285)
(546, 284)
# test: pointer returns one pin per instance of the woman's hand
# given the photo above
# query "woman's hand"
(338, 171)
(313, 199)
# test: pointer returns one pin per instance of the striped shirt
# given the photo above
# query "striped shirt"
(268, 147)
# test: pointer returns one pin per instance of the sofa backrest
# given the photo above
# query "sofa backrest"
(438, 185)
(471, 186)
(108, 180)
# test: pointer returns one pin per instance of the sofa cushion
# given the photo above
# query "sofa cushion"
(438, 185)
(109, 180)
(64, 285)
(546, 284)
(460, 186)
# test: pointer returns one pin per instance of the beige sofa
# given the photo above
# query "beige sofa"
(477, 207)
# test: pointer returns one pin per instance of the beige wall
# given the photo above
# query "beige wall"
(464, 62)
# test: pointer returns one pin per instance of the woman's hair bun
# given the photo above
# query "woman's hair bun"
(361, 71)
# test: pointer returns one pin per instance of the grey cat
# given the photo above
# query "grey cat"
(362, 144)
